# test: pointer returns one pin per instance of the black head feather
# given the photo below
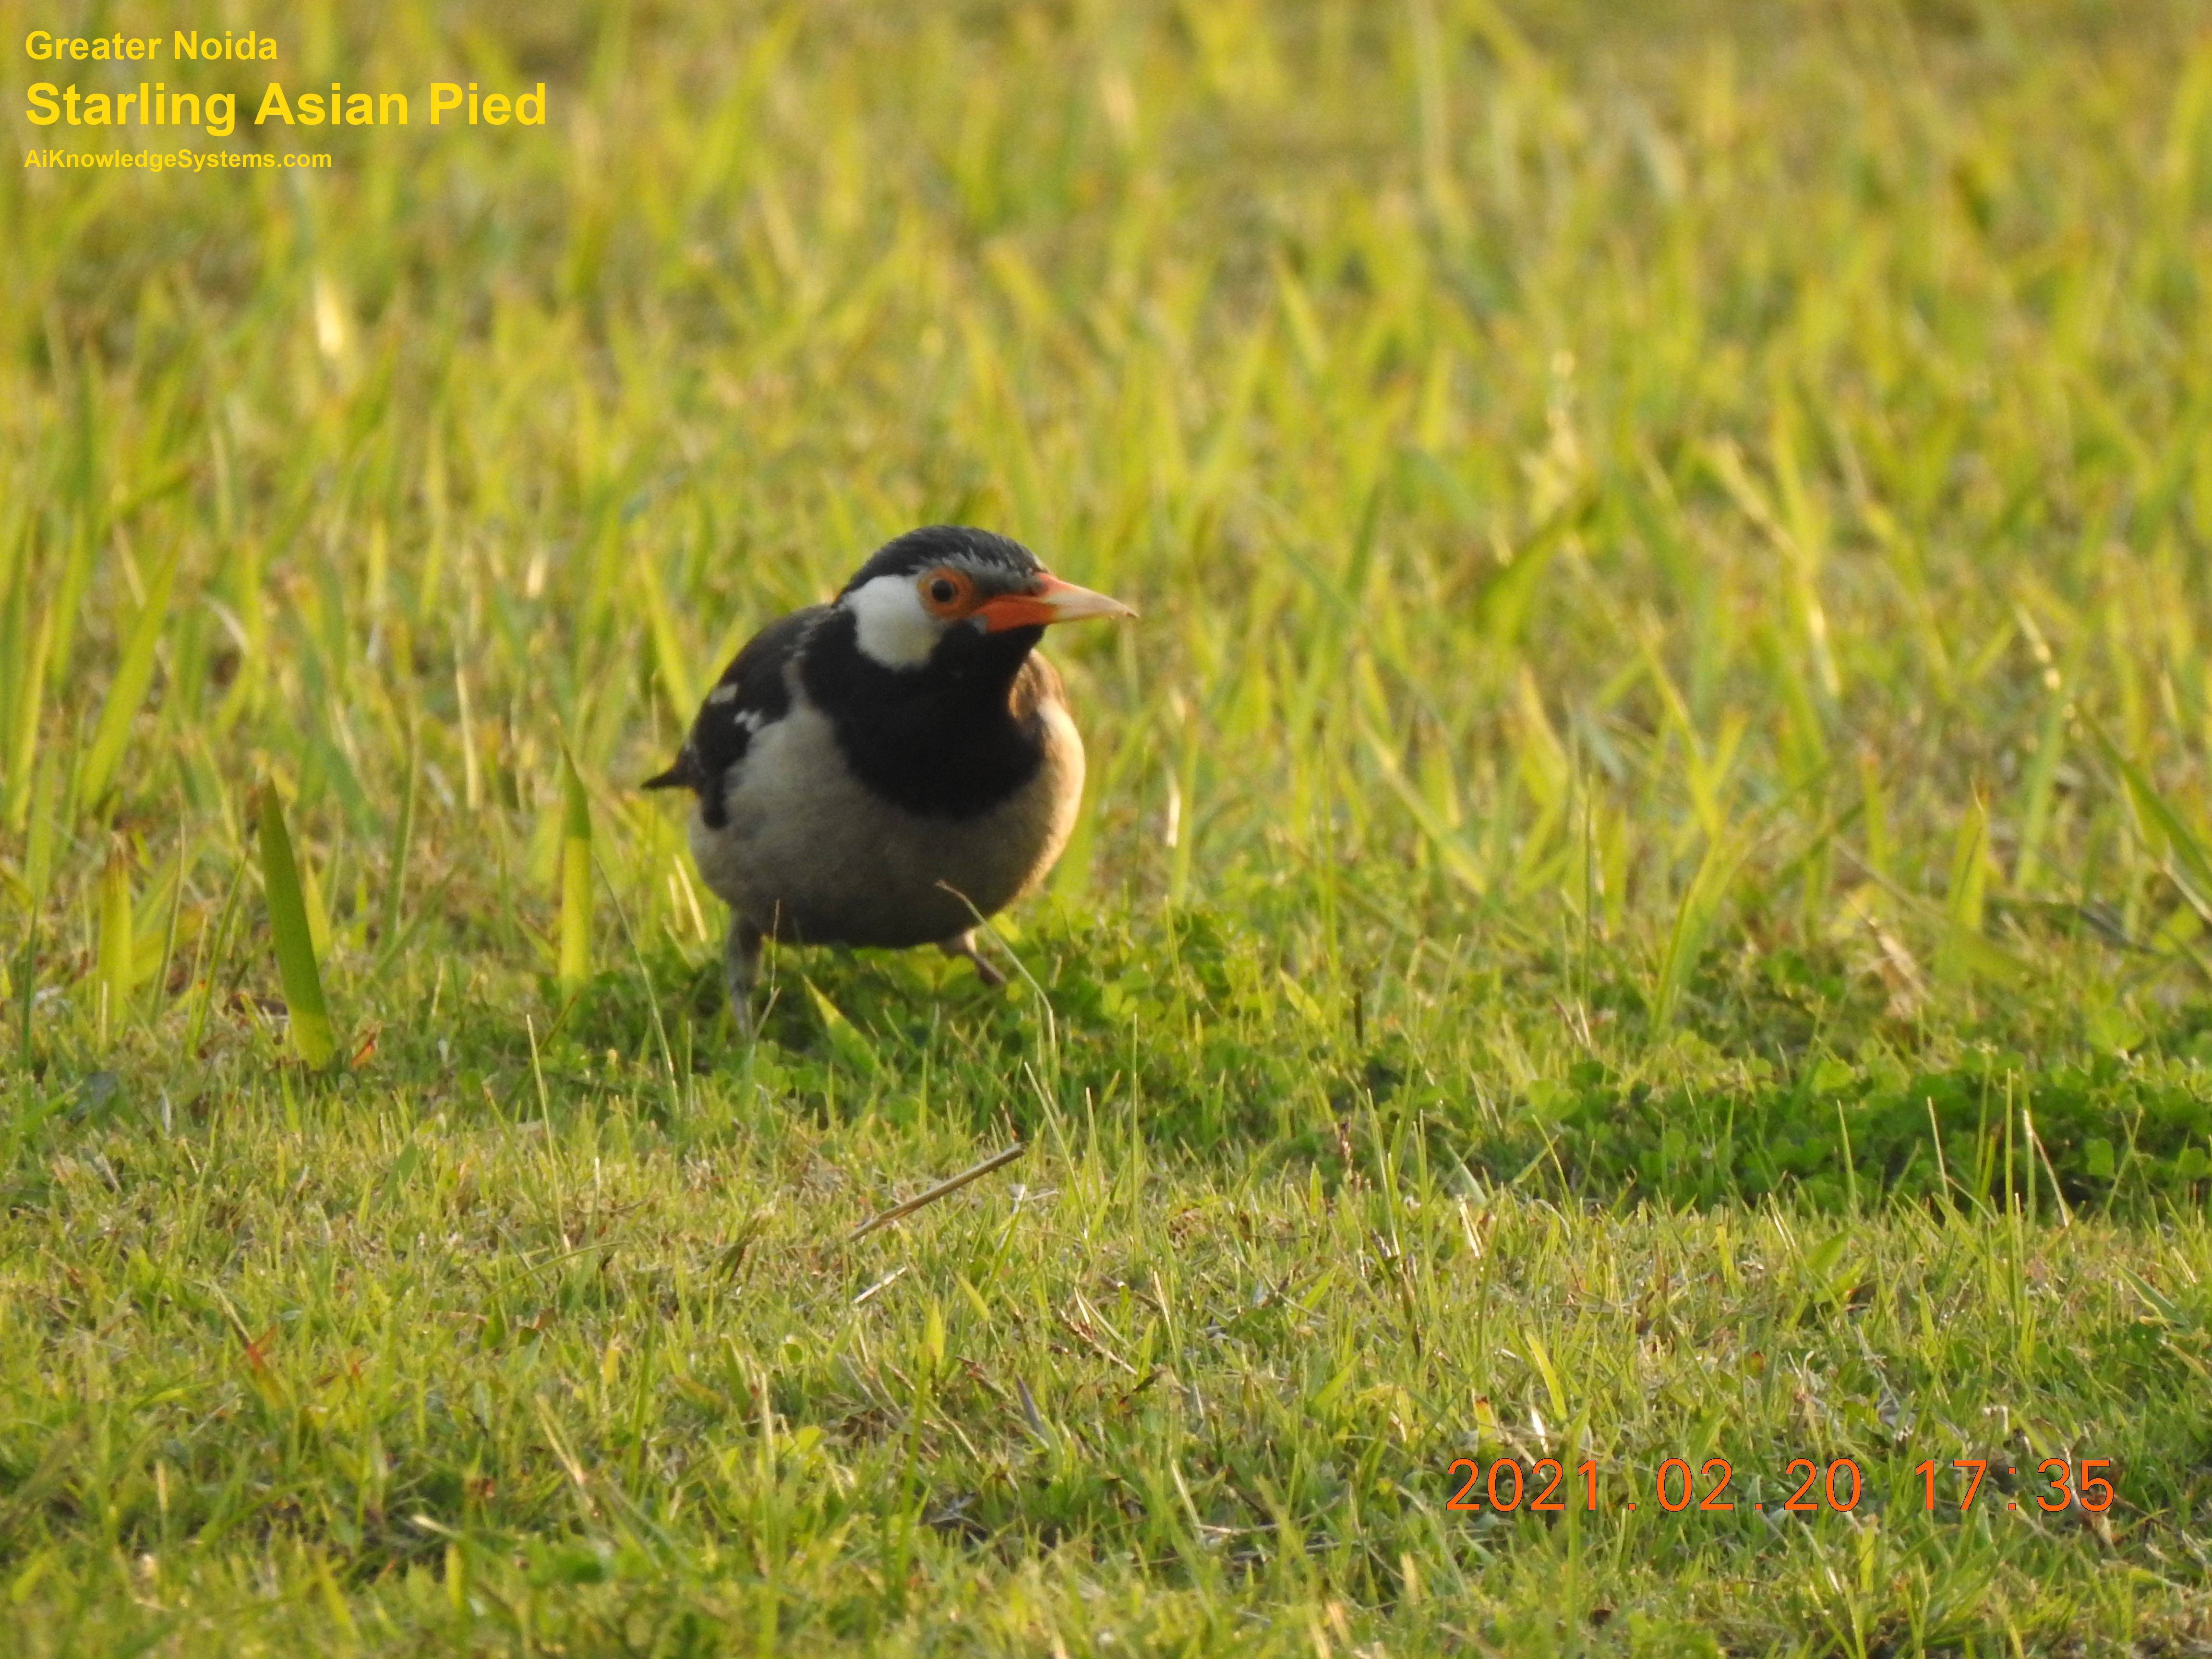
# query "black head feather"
(979, 550)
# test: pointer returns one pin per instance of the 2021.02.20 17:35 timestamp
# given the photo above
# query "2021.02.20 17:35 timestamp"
(1839, 1488)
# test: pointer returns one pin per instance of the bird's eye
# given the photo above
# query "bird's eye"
(945, 593)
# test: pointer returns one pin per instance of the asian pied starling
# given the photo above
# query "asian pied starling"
(883, 769)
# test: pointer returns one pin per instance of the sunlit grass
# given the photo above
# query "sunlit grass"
(1647, 862)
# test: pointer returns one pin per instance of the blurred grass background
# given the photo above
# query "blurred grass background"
(1672, 550)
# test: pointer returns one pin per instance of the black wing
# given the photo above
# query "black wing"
(750, 693)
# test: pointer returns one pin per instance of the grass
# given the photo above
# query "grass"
(1644, 893)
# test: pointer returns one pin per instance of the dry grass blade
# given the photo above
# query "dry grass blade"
(943, 1189)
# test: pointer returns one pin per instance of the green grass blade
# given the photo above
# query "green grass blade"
(15, 625)
(39, 829)
(113, 966)
(1460, 860)
(1963, 906)
(1694, 920)
(310, 1020)
(1966, 952)
(2164, 829)
(134, 673)
(1504, 601)
(23, 740)
(575, 962)
(669, 659)
(403, 841)
(845, 1039)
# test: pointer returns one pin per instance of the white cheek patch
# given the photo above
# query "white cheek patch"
(893, 628)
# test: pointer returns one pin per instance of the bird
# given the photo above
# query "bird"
(888, 768)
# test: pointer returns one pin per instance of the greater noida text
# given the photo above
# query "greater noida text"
(175, 161)
(187, 46)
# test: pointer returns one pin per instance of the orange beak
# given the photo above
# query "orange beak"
(1048, 600)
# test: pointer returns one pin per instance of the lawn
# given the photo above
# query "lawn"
(1643, 914)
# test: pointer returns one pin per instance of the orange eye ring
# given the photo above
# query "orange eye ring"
(947, 593)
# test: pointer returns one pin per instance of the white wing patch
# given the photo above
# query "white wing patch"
(722, 693)
(893, 628)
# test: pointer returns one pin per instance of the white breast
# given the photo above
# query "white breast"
(809, 854)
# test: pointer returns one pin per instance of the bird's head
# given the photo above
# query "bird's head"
(960, 600)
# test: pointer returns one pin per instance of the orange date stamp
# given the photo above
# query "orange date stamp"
(1546, 1486)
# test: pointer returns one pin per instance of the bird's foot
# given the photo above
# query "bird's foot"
(963, 944)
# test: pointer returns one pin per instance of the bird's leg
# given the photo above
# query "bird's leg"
(741, 955)
(963, 944)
